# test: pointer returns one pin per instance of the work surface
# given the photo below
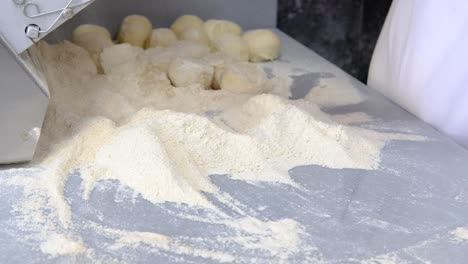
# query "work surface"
(407, 211)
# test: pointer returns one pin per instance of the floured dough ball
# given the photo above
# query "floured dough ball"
(264, 45)
(215, 59)
(120, 58)
(189, 49)
(196, 34)
(215, 27)
(162, 57)
(186, 72)
(78, 62)
(217, 76)
(184, 22)
(135, 30)
(240, 77)
(94, 39)
(161, 37)
(232, 45)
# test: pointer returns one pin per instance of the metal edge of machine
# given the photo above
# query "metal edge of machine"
(24, 93)
(25, 22)
(23, 103)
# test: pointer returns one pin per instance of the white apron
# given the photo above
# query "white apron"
(421, 62)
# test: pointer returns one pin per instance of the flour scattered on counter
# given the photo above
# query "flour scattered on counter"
(134, 239)
(335, 92)
(58, 244)
(132, 126)
(384, 259)
(352, 118)
(281, 238)
(160, 242)
(460, 234)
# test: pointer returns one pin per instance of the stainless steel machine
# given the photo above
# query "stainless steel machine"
(23, 90)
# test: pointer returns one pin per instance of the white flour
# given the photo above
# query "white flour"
(160, 242)
(58, 244)
(352, 118)
(460, 234)
(163, 142)
(384, 259)
(335, 92)
(279, 238)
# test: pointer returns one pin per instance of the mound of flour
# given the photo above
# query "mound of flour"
(132, 126)
(164, 142)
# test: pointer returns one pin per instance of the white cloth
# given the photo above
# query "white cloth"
(421, 62)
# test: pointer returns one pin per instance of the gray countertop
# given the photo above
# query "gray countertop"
(403, 212)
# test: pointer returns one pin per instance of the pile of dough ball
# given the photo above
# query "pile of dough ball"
(216, 54)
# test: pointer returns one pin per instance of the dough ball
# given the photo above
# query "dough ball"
(184, 22)
(215, 27)
(189, 49)
(94, 39)
(264, 45)
(217, 76)
(161, 37)
(135, 30)
(162, 57)
(152, 76)
(196, 34)
(240, 77)
(232, 45)
(120, 58)
(186, 72)
(215, 59)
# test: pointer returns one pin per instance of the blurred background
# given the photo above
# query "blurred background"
(343, 31)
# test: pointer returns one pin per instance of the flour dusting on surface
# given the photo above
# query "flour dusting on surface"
(58, 244)
(460, 234)
(384, 259)
(335, 92)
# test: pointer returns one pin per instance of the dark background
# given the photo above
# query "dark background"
(342, 31)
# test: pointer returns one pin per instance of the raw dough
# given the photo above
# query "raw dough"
(232, 45)
(184, 22)
(118, 58)
(161, 37)
(196, 34)
(94, 39)
(214, 27)
(135, 30)
(189, 49)
(264, 45)
(240, 77)
(186, 72)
